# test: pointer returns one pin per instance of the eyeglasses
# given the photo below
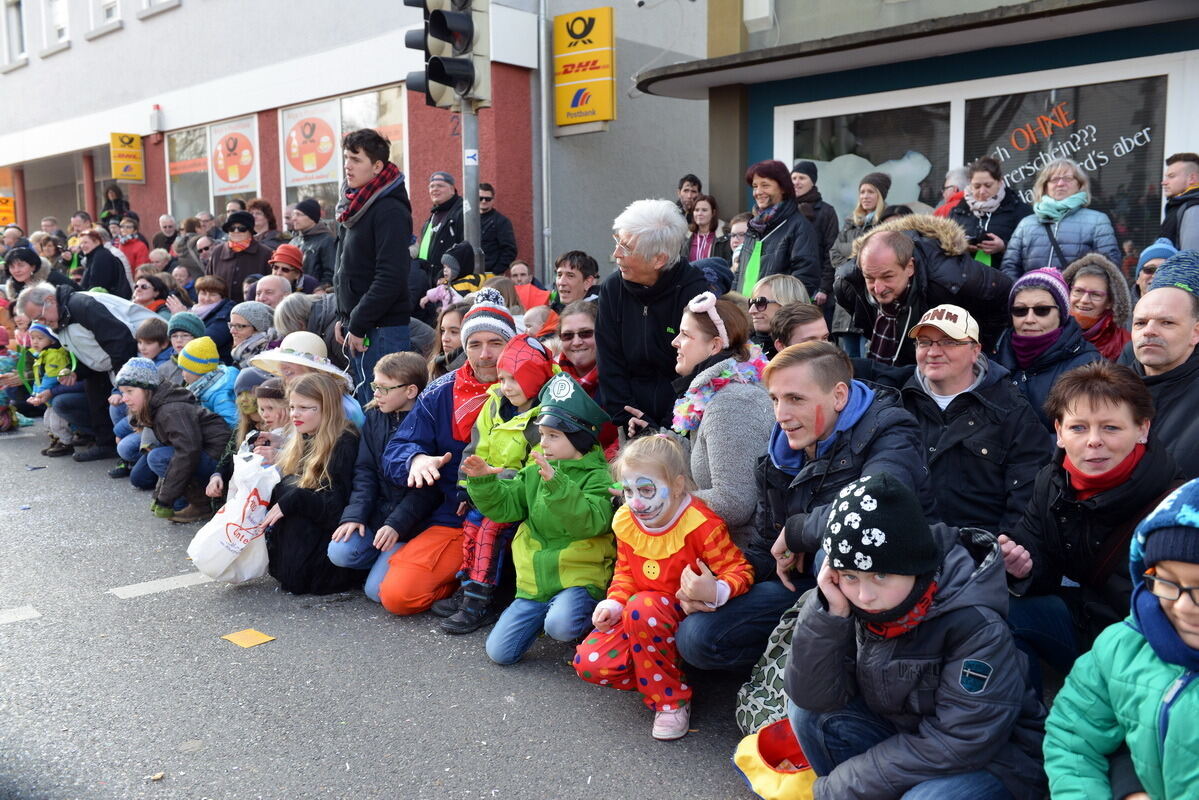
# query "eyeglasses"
(622, 249)
(1063, 179)
(284, 268)
(736, 236)
(1020, 312)
(238, 229)
(760, 303)
(483, 199)
(925, 344)
(1169, 590)
(1148, 270)
(586, 333)
(1078, 294)
(379, 388)
(239, 326)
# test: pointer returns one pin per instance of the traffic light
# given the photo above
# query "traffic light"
(456, 43)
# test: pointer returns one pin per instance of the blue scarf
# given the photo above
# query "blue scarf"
(1050, 210)
(1158, 630)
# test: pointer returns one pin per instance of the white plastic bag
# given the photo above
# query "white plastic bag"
(231, 547)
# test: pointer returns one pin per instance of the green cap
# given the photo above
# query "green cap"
(566, 406)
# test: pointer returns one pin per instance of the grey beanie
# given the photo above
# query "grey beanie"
(260, 315)
(139, 372)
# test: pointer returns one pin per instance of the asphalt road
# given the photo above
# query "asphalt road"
(99, 695)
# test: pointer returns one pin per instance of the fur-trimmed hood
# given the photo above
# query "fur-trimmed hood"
(947, 232)
(1117, 285)
(39, 275)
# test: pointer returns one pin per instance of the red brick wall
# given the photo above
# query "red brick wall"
(505, 150)
(149, 199)
(268, 161)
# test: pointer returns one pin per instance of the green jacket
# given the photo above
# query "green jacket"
(1116, 695)
(565, 536)
(499, 442)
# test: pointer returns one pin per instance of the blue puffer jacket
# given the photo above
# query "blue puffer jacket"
(1068, 352)
(1084, 231)
(220, 398)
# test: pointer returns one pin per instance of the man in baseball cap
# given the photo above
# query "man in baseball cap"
(980, 435)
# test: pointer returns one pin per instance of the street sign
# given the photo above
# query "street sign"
(128, 160)
(584, 67)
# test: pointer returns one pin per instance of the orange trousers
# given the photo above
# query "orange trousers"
(422, 571)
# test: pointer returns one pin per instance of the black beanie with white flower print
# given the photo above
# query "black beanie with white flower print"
(877, 525)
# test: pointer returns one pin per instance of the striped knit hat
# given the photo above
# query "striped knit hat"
(1050, 280)
(1179, 271)
(199, 356)
(139, 372)
(488, 314)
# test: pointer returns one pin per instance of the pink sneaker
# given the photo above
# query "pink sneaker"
(671, 725)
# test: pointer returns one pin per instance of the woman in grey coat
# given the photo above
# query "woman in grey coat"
(723, 411)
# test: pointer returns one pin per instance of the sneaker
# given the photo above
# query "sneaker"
(673, 724)
(121, 470)
(58, 449)
(448, 606)
(191, 513)
(95, 453)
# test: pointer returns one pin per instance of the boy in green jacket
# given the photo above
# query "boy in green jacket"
(564, 549)
(1126, 723)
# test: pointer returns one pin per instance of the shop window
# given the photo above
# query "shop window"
(1113, 130)
(187, 170)
(909, 144)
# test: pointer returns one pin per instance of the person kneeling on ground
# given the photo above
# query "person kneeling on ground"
(904, 679)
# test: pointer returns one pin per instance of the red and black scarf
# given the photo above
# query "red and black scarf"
(357, 199)
(909, 621)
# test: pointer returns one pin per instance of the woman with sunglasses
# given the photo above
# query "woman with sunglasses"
(1044, 341)
(150, 292)
(767, 297)
(239, 256)
(1100, 304)
(1108, 474)
(1061, 228)
(1151, 258)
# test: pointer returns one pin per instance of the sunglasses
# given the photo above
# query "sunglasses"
(238, 229)
(1148, 270)
(284, 268)
(760, 303)
(143, 286)
(1019, 312)
(568, 336)
(486, 199)
(205, 249)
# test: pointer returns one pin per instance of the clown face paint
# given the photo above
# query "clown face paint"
(649, 497)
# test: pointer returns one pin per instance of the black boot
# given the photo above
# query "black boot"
(448, 606)
(476, 611)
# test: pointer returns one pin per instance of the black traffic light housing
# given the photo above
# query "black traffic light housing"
(456, 42)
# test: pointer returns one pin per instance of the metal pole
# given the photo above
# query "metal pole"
(470, 181)
(545, 73)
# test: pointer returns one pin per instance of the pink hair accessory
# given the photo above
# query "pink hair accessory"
(706, 304)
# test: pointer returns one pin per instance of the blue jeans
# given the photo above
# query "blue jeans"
(566, 617)
(119, 414)
(834, 737)
(74, 409)
(391, 339)
(129, 451)
(159, 459)
(734, 636)
(1043, 629)
(358, 552)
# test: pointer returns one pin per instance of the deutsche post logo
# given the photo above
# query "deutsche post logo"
(580, 36)
(125, 139)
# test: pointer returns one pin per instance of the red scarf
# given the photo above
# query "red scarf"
(589, 382)
(909, 621)
(1103, 332)
(469, 395)
(241, 247)
(358, 197)
(153, 305)
(1087, 486)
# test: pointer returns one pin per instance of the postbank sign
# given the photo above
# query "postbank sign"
(584, 67)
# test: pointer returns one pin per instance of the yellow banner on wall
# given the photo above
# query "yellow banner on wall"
(584, 67)
(8, 211)
(128, 160)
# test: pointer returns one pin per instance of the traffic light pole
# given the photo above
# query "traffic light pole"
(470, 181)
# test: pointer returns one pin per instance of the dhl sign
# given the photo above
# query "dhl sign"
(584, 67)
(128, 160)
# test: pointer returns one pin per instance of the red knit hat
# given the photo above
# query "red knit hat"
(288, 254)
(526, 360)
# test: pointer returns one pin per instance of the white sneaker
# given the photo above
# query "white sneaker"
(671, 725)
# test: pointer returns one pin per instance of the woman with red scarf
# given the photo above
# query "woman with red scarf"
(150, 292)
(1107, 475)
(1099, 303)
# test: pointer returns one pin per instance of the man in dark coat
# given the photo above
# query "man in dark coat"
(498, 241)
(640, 308)
(824, 220)
(316, 240)
(444, 227)
(904, 267)
(372, 260)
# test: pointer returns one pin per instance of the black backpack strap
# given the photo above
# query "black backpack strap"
(1056, 247)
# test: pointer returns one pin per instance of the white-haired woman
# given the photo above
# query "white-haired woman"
(641, 305)
(1061, 228)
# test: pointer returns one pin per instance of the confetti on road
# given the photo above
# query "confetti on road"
(249, 638)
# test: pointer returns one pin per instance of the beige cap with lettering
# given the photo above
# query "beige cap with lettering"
(954, 321)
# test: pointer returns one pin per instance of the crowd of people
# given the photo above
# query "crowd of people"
(893, 468)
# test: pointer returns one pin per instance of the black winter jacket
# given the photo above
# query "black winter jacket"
(373, 264)
(180, 422)
(1002, 221)
(450, 233)
(983, 451)
(112, 334)
(1069, 351)
(824, 221)
(944, 273)
(297, 545)
(633, 333)
(953, 687)
(497, 240)
(376, 501)
(1175, 421)
(790, 246)
(884, 439)
(104, 270)
(1066, 537)
(319, 246)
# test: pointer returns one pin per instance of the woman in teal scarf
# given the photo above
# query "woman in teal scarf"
(1060, 214)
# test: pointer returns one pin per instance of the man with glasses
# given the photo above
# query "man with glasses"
(444, 227)
(209, 226)
(204, 247)
(1150, 259)
(240, 256)
(497, 241)
(908, 265)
